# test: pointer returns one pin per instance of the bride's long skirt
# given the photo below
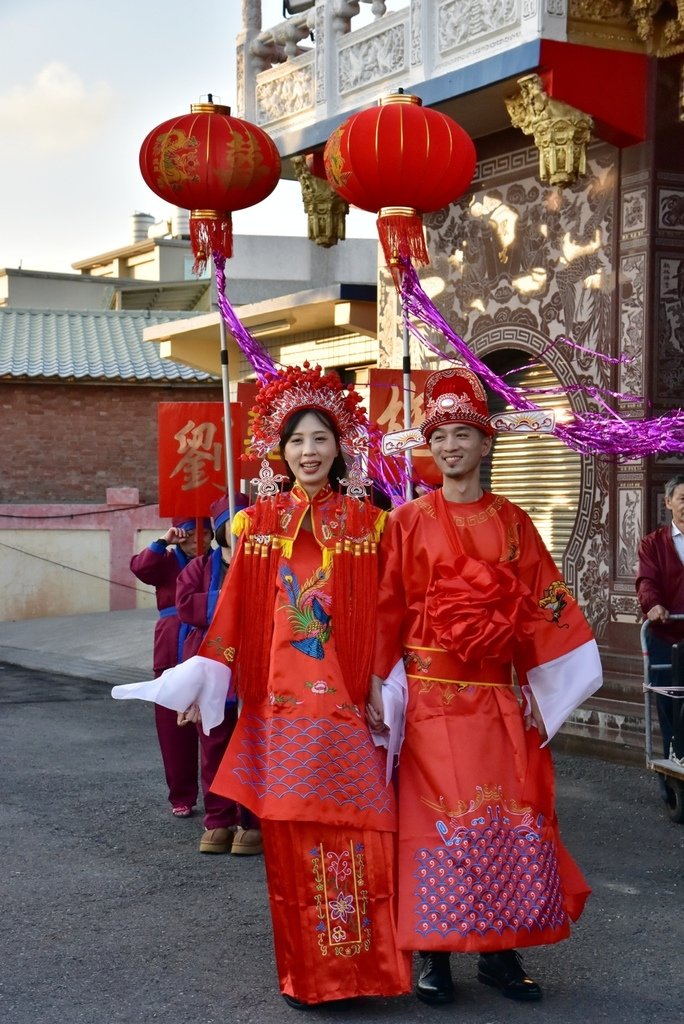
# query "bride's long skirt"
(332, 893)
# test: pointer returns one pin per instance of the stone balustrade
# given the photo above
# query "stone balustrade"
(336, 56)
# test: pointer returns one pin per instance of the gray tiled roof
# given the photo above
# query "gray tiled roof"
(86, 345)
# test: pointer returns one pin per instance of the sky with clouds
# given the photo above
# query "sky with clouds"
(82, 82)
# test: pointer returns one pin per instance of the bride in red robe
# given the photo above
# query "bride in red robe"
(294, 627)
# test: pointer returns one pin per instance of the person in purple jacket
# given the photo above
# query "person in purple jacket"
(660, 589)
(228, 828)
(159, 565)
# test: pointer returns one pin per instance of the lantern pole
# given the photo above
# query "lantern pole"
(406, 374)
(227, 427)
(406, 385)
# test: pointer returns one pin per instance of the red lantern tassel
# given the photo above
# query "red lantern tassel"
(256, 625)
(265, 517)
(355, 587)
(400, 229)
(210, 232)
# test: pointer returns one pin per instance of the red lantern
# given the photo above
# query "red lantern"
(316, 164)
(400, 160)
(211, 164)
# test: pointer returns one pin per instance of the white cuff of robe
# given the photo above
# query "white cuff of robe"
(561, 685)
(394, 701)
(198, 680)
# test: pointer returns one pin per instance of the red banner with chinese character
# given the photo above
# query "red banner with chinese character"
(192, 465)
(246, 393)
(387, 410)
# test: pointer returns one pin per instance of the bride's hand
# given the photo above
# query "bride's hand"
(374, 711)
(191, 714)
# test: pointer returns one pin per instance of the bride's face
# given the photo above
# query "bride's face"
(310, 452)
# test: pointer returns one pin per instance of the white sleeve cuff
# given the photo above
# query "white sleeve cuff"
(394, 701)
(561, 685)
(198, 680)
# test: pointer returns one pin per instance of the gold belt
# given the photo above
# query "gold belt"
(439, 666)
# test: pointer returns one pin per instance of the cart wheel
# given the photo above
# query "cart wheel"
(675, 800)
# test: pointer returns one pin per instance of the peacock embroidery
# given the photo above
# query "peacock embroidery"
(307, 612)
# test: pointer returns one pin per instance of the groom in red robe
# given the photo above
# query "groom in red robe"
(471, 605)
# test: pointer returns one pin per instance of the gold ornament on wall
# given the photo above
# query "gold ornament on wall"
(325, 209)
(561, 133)
(648, 25)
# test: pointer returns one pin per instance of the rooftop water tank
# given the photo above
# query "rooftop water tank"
(180, 223)
(140, 222)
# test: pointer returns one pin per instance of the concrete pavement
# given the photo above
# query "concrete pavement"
(107, 647)
(110, 915)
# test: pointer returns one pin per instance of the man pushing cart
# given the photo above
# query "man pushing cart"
(660, 589)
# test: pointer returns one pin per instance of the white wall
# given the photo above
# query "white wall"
(65, 573)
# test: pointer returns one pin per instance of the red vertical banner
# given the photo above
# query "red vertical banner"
(192, 464)
(246, 394)
(387, 410)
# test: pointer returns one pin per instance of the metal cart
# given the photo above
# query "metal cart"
(672, 768)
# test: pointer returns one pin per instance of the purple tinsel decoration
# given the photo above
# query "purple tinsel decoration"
(623, 360)
(265, 368)
(259, 358)
(587, 433)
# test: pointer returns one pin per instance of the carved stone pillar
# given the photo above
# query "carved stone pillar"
(561, 133)
(325, 209)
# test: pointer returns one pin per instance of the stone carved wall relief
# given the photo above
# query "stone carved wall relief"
(319, 35)
(634, 212)
(625, 609)
(371, 60)
(670, 330)
(522, 245)
(285, 94)
(671, 211)
(522, 261)
(416, 32)
(459, 23)
(632, 297)
(629, 530)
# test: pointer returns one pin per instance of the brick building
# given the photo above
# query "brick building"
(79, 393)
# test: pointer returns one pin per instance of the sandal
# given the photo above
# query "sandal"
(181, 811)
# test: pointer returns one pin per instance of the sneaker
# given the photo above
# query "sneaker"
(247, 842)
(216, 840)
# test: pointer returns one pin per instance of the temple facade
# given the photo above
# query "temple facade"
(563, 265)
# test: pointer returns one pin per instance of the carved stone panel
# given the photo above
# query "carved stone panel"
(284, 95)
(372, 59)
(416, 32)
(629, 530)
(669, 376)
(459, 22)
(625, 609)
(634, 212)
(319, 34)
(632, 298)
(671, 212)
(531, 254)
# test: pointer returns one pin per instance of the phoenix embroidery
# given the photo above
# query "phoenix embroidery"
(306, 611)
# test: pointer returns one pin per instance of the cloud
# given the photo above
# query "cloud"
(56, 114)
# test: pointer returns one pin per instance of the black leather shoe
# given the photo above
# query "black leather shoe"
(505, 971)
(435, 985)
(296, 1004)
